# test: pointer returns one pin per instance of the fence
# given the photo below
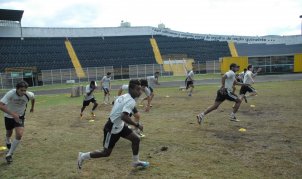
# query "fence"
(60, 76)
(63, 76)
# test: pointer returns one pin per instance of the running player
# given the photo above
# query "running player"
(115, 127)
(152, 80)
(89, 98)
(225, 92)
(106, 85)
(136, 113)
(14, 104)
(248, 81)
(190, 82)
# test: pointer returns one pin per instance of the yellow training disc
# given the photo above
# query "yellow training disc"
(242, 129)
(91, 120)
(3, 148)
(252, 106)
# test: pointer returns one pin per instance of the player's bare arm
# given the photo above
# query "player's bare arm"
(128, 120)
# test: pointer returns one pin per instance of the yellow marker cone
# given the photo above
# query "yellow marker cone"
(141, 105)
(242, 130)
(3, 148)
(91, 120)
(252, 106)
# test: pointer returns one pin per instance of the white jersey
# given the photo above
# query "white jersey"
(105, 82)
(88, 90)
(151, 81)
(124, 103)
(248, 77)
(146, 90)
(190, 76)
(16, 103)
(229, 81)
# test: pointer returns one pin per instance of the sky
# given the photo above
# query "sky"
(221, 17)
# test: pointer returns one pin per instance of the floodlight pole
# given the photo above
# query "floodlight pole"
(301, 24)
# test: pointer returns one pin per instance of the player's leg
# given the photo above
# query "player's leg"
(235, 98)
(85, 104)
(201, 116)
(191, 89)
(109, 142)
(95, 105)
(19, 133)
(135, 140)
(219, 99)
(9, 126)
(8, 136)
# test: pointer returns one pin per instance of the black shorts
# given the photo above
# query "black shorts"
(246, 88)
(151, 89)
(111, 139)
(106, 90)
(10, 123)
(86, 103)
(188, 84)
(227, 95)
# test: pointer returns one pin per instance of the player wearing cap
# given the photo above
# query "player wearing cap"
(225, 92)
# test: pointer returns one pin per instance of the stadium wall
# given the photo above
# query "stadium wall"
(144, 30)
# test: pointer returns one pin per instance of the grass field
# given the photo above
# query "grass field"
(270, 147)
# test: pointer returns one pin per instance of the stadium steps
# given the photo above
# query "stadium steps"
(156, 51)
(74, 59)
(233, 49)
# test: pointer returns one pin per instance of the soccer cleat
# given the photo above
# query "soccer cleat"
(233, 118)
(80, 161)
(189, 94)
(200, 118)
(142, 164)
(8, 146)
(244, 97)
(9, 159)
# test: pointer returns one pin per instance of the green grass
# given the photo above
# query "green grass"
(270, 148)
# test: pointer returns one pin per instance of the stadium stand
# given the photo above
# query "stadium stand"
(198, 49)
(113, 51)
(245, 49)
(43, 53)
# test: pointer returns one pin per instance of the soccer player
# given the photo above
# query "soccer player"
(106, 85)
(190, 82)
(136, 114)
(115, 127)
(89, 98)
(145, 89)
(152, 80)
(225, 92)
(248, 80)
(14, 104)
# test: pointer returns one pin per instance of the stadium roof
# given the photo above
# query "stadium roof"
(11, 15)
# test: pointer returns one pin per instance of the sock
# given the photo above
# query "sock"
(233, 114)
(85, 156)
(202, 114)
(7, 140)
(13, 147)
(135, 158)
